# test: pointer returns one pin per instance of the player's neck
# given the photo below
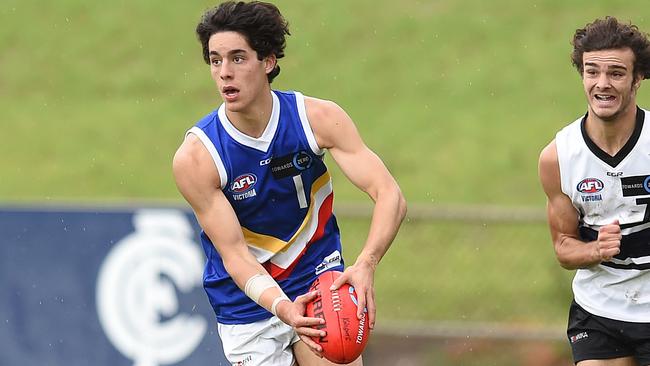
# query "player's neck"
(253, 119)
(611, 135)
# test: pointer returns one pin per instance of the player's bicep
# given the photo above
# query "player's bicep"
(364, 169)
(562, 215)
(194, 172)
(335, 131)
(562, 218)
(198, 181)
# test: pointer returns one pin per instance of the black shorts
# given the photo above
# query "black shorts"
(596, 338)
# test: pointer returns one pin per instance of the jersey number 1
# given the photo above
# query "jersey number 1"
(300, 190)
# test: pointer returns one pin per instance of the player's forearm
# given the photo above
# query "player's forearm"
(573, 253)
(254, 280)
(242, 267)
(389, 211)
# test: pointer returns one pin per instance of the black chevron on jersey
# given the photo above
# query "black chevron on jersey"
(634, 245)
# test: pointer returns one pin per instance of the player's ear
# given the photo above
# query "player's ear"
(269, 63)
(637, 81)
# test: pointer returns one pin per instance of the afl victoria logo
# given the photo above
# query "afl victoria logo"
(137, 289)
(243, 183)
(590, 185)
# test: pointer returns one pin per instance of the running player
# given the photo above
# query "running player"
(596, 174)
(253, 172)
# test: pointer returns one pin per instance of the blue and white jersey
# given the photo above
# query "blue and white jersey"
(281, 192)
(605, 188)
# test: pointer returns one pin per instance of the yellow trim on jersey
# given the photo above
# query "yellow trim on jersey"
(275, 245)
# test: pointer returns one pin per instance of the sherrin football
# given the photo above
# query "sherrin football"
(346, 335)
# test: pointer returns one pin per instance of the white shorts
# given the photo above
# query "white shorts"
(267, 342)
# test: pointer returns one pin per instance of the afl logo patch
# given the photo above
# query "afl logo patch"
(243, 183)
(590, 185)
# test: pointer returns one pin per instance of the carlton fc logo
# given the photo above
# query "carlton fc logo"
(243, 186)
(138, 285)
(590, 186)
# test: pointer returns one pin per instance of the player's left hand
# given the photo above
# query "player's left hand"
(361, 276)
(292, 313)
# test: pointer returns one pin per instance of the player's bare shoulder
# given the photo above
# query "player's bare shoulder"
(193, 164)
(548, 155)
(320, 109)
(328, 121)
(187, 155)
(549, 168)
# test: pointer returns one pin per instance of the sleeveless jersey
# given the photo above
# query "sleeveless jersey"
(281, 192)
(605, 188)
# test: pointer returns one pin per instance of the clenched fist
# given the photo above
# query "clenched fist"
(608, 243)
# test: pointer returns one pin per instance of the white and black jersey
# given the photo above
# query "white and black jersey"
(605, 188)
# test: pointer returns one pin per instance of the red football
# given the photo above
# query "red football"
(347, 335)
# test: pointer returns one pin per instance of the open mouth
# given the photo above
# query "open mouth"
(230, 91)
(604, 97)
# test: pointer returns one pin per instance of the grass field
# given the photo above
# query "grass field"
(468, 272)
(458, 97)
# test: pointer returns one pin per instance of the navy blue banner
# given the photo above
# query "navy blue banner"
(103, 287)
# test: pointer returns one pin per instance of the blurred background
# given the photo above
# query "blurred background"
(457, 97)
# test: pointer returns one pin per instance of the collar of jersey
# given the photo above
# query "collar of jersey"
(613, 161)
(261, 143)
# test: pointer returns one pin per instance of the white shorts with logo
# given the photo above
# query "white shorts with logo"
(267, 342)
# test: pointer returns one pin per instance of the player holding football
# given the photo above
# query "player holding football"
(253, 172)
(596, 174)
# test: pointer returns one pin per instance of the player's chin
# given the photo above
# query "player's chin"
(606, 112)
(235, 106)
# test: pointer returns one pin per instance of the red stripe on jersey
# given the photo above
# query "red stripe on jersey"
(324, 215)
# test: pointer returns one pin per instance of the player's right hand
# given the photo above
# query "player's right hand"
(608, 243)
(293, 314)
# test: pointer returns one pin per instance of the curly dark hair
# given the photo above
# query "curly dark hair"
(260, 23)
(609, 33)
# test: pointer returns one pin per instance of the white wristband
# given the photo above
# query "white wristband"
(258, 284)
(276, 302)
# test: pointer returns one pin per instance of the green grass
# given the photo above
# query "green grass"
(468, 272)
(457, 97)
